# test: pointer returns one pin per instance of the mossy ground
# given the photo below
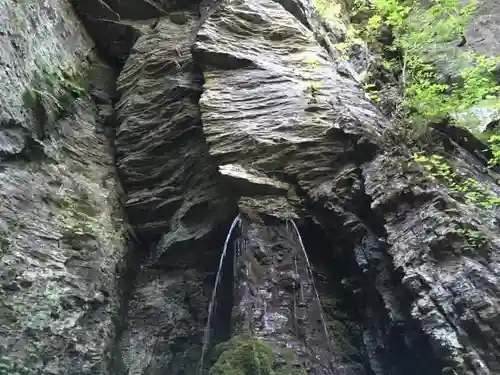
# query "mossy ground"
(245, 355)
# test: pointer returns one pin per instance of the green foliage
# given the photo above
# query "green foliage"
(419, 33)
(475, 238)
(371, 90)
(244, 355)
(467, 189)
(494, 141)
(312, 63)
(329, 9)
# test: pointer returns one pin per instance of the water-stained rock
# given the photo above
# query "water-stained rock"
(276, 299)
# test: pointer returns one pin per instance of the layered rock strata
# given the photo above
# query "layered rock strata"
(61, 240)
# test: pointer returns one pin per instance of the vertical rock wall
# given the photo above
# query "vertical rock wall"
(282, 122)
(174, 198)
(276, 300)
(60, 235)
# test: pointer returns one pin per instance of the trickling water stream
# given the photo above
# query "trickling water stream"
(272, 249)
(212, 305)
(309, 270)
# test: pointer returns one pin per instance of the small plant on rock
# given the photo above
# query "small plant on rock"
(476, 239)
(313, 89)
(468, 189)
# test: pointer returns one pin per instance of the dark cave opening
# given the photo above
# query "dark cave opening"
(332, 272)
(401, 348)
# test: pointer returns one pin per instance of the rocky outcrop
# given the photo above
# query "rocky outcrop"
(174, 198)
(243, 109)
(325, 138)
(316, 107)
(443, 272)
(60, 234)
(169, 193)
(276, 299)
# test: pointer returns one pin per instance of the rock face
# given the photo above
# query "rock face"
(173, 194)
(60, 236)
(239, 107)
(276, 299)
(325, 140)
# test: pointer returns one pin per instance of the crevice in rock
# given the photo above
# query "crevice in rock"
(407, 343)
(378, 303)
(341, 305)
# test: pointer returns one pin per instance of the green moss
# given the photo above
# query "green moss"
(51, 91)
(339, 331)
(244, 355)
(81, 215)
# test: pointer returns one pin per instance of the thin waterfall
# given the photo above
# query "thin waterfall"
(309, 270)
(211, 306)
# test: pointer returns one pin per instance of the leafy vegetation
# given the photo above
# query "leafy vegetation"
(467, 189)
(410, 40)
(313, 89)
(476, 239)
(417, 41)
(494, 141)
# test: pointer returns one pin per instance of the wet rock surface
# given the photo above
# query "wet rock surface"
(240, 82)
(174, 198)
(276, 298)
(239, 106)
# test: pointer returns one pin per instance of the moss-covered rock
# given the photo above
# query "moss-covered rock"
(245, 355)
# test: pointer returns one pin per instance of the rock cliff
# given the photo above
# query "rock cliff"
(61, 236)
(346, 257)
